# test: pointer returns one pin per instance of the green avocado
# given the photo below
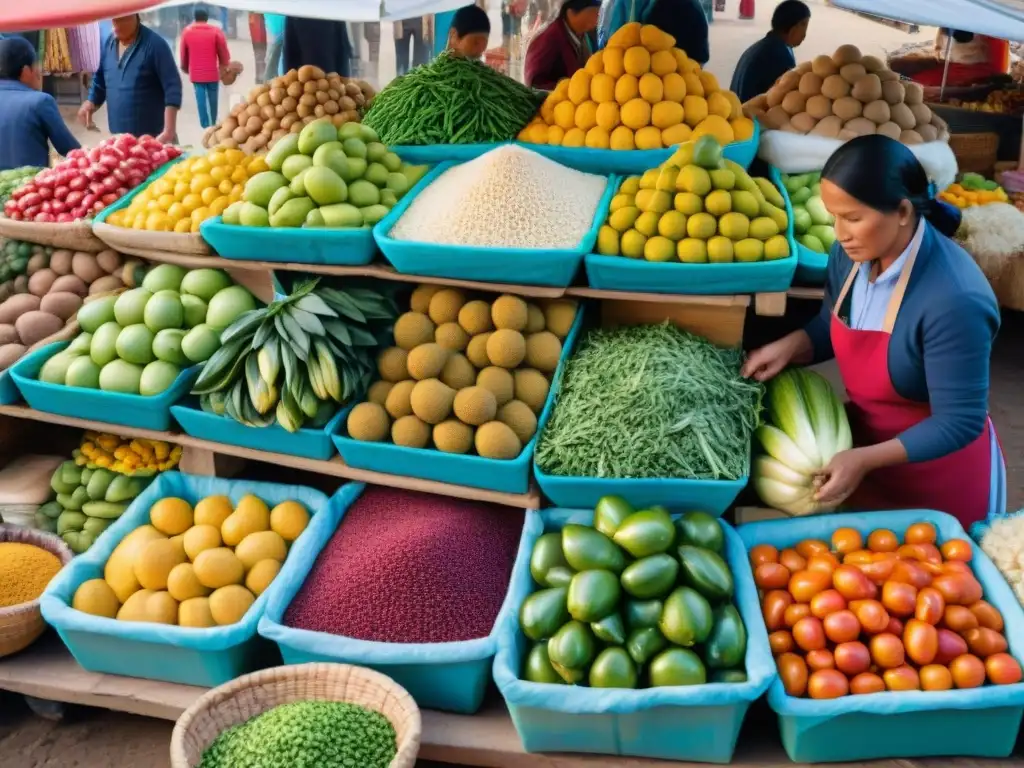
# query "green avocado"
(677, 666)
(686, 619)
(547, 562)
(593, 595)
(613, 668)
(650, 577)
(543, 612)
(537, 667)
(701, 530)
(572, 648)
(586, 549)
(647, 532)
(609, 514)
(644, 644)
(726, 647)
(706, 572)
(610, 629)
(727, 676)
(643, 613)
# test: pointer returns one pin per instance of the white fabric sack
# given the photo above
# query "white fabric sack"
(797, 153)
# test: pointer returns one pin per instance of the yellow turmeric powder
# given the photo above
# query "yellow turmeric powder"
(25, 570)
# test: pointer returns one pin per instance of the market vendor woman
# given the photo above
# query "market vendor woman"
(563, 46)
(910, 319)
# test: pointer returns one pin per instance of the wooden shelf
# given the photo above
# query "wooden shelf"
(806, 292)
(335, 467)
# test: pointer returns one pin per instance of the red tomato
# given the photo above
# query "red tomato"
(955, 567)
(902, 679)
(985, 642)
(793, 673)
(846, 540)
(841, 626)
(825, 562)
(912, 573)
(792, 560)
(827, 684)
(895, 627)
(773, 608)
(950, 646)
(824, 603)
(820, 659)
(804, 585)
(988, 615)
(763, 553)
(878, 571)
(780, 642)
(1003, 669)
(882, 540)
(968, 671)
(921, 641)
(872, 616)
(809, 547)
(866, 682)
(771, 576)
(931, 553)
(930, 605)
(852, 658)
(859, 557)
(898, 598)
(887, 651)
(921, 533)
(936, 677)
(958, 588)
(959, 619)
(910, 552)
(957, 549)
(852, 584)
(809, 634)
(795, 612)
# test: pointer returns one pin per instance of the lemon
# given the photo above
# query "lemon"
(748, 250)
(647, 223)
(251, 515)
(200, 182)
(659, 249)
(744, 202)
(648, 200)
(213, 510)
(229, 604)
(693, 178)
(672, 225)
(200, 537)
(630, 186)
(648, 137)
(182, 583)
(262, 545)
(195, 612)
(261, 575)
(627, 88)
(608, 241)
(735, 226)
(718, 203)
(776, 247)
(690, 251)
(623, 218)
(701, 226)
(763, 228)
(215, 568)
(621, 200)
(720, 250)
(155, 562)
(633, 244)
(688, 203)
(649, 180)
(96, 597)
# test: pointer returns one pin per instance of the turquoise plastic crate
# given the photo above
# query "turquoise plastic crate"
(982, 722)
(9, 393)
(191, 656)
(153, 412)
(636, 161)
(124, 202)
(432, 154)
(308, 443)
(811, 266)
(693, 723)
(447, 676)
(298, 245)
(530, 266)
(511, 476)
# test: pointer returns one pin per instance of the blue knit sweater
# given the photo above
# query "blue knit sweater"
(940, 346)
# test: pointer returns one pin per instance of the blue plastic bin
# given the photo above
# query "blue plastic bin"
(530, 266)
(206, 657)
(511, 476)
(811, 266)
(152, 412)
(982, 722)
(432, 154)
(694, 723)
(298, 245)
(124, 202)
(308, 443)
(9, 393)
(446, 676)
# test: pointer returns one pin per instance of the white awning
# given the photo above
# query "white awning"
(340, 10)
(1003, 19)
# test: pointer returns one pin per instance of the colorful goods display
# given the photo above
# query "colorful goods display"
(846, 95)
(287, 103)
(13, 178)
(25, 570)
(138, 342)
(812, 223)
(124, 455)
(651, 401)
(200, 567)
(87, 181)
(406, 567)
(805, 426)
(859, 616)
(696, 208)
(325, 177)
(465, 373)
(295, 361)
(327, 734)
(973, 189)
(637, 596)
(451, 100)
(1000, 102)
(1002, 543)
(639, 92)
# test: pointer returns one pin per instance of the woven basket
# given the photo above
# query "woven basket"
(251, 695)
(131, 240)
(975, 152)
(21, 625)
(75, 236)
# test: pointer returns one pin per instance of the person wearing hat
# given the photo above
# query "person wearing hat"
(562, 47)
(29, 118)
(772, 56)
(469, 32)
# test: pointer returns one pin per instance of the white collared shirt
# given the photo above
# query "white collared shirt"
(869, 301)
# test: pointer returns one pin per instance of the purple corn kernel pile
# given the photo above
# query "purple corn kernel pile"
(407, 567)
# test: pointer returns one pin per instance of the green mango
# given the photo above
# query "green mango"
(573, 646)
(70, 521)
(609, 514)
(50, 509)
(593, 595)
(647, 532)
(610, 629)
(71, 473)
(123, 488)
(105, 510)
(586, 549)
(686, 619)
(644, 644)
(98, 483)
(96, 525)
(569, 675)
(613, 668)
(727, 676)
(543, 613)
(701, 530)
(643, 613)
(547, 556)
(677, 666)
(650, 577)
(87, 473)
(706, 572)
(57, 482)
(537, 667)
(726, 647)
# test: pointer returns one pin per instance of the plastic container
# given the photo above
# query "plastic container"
(981, 722)
(636, 161)
(525, 266)
(447, 676)
(511, 476)
(693, 723)
(308, 443)
(299, 245)
(9, 393)
(206, 657)
(811, 266)
(432, 154)
(151, 412)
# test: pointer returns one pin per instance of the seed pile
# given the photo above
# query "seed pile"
(25, 570)
(304, 734)
(510, 197)
(452, 100)
(651, 401)
(407, 567)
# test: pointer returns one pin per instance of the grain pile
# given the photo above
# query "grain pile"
(509, 197)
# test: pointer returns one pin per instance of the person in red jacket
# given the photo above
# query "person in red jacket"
(563, 46)
(204, 52)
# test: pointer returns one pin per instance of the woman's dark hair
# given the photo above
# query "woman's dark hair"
(788, 14)
(471, 19)
(576, 5)
(882, 173)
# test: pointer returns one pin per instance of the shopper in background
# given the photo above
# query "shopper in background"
(562, 46)
(683, 19)
(138, 81)
(204, 52)
(274, 23)
(772, 56)
(258, 37)
(29, 118)
(418, 31)
(512, 12)
(318, 42)
(469, 32)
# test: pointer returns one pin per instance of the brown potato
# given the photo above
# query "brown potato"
(290, 103)
(277, 95)
(230, 124)
(304, 111)
(36, 326)
(318, 110)
(10, 354)
(323, 84)
(253, 125)
(16, 306)
(238, 109)
(86, 267)
(60, 262)
(296, 126)
(333, 94)
(271, 125)
(69, 283)
(308, 99)
(9, 335)
(240, 134)
(321, 97)
(295, 90)
(41, 282)
(63, 304)
(309, 87)
(338, 120)
(291, 76)
(346, 103)
(263, 99)
(305, 73)
(352, 89)
(351, 116)
(268, 112)
(331, 108)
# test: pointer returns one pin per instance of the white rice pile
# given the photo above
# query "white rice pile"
(509, 197)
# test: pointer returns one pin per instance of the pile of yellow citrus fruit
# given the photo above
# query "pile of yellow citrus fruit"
(639, 92)
(194, 190)
(126, 455)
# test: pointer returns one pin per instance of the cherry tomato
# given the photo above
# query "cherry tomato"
(804, 585)
(1003, 669)
(895, 627)
(910, 552)
(793, 673)
(958, 588)
(913, 573)
(968, 671)
(930, 605)
(792, 560)
(921, 641)
(841, 626)
(883, 540)
(824, 603)
(988, 615)
(872, 616)
(763, 553)
(936, 677)
(771, 576)
(959, 619)
(809, 634)
(956, 567)
(859, 556)
(827, 684)
(780, 641)
(877, 571)
(887, 651)
(852, 658)
(898, 598)
(820, 659)
(957, 549)
(795, 612)
(809, 547)
(866, 682)
(903, 678)
(950, 646)
(932, 554)
(852, 584)
(846, 540)
(921, 533)
(825, 562)
(985, 642)
(773, 608)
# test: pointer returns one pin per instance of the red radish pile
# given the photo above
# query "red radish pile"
(87, 181)
(407, 567)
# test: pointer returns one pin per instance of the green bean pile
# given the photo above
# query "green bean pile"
(651, 401)
(452, 100)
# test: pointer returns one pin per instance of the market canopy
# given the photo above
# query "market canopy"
(1003, 19)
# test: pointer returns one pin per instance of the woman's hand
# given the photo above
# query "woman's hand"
(767, 362)
(843, 476)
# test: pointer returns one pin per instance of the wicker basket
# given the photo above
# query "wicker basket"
(251, 695)
(975, 152)
(21, 625)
